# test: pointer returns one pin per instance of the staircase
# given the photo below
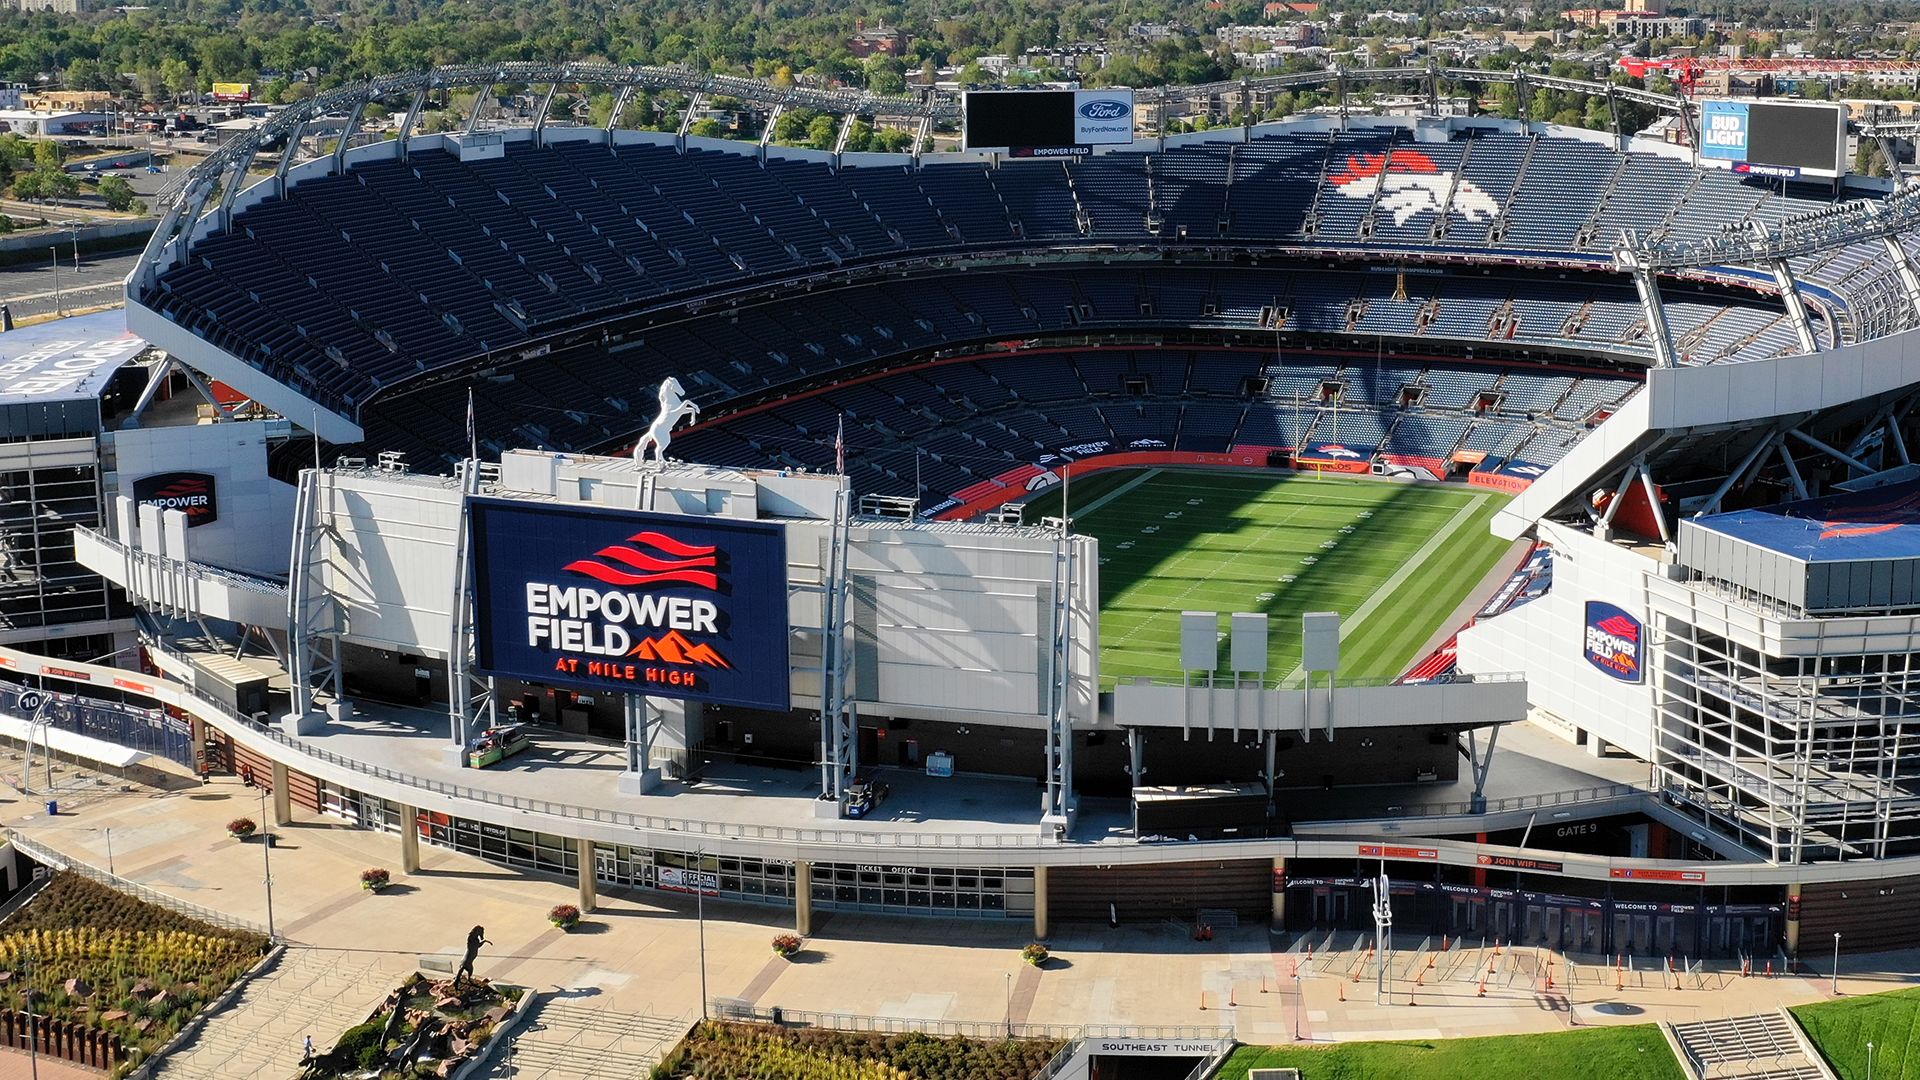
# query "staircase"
(1764, 1046)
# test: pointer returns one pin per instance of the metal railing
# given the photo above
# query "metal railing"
(737, 1009)
(620, 818)
(48, 857)
(1569, 797)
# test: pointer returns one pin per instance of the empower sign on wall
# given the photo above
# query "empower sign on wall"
(622, 600)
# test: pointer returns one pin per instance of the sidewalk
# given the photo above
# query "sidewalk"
(640, 953)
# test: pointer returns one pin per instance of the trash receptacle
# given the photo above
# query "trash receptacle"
(53, 807)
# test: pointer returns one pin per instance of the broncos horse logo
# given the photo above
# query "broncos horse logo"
(1408, 183)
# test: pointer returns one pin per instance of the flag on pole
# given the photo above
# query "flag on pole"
(473, 436)
(840, 447)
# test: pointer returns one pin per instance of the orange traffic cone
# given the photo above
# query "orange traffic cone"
(1483, 989)
(1769, 969)
(1232, 1002)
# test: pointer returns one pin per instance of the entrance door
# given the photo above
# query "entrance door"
(869, 746)
(1465, 915)
(608, 868)
(1332, 907)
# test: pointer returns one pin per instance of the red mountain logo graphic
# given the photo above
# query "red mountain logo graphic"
(1367, 165)
(673, 647)
(651, 558)
(1833, 529)
(1621, 627)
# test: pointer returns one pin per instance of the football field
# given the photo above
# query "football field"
(1394, 559)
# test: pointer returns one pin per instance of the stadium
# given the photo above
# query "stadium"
(1553, 485)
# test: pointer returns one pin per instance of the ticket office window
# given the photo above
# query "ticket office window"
(976, 892)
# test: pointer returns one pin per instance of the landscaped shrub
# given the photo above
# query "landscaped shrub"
(360, 1045)
(721, 1049)
(84, 952)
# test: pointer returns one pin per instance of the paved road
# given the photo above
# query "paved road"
(29, 288)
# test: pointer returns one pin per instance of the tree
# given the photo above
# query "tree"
(45, 183)
(117, 193)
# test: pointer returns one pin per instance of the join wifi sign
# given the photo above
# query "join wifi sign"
(608, 599)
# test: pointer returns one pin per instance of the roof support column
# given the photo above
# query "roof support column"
(1738, 475)
(1656, 312)
(1903, 263)
(346, 134)
(1850, 460)
(620, 102)
(479, 101)
(1796, 306)
(408, 123)
(1793, 471)
(686, 119)
(287, 153)
(540, 116)
(232, 179)
(1653, 504)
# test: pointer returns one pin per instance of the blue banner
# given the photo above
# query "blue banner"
(1723, 131)
(1614, 641)
(595, 597)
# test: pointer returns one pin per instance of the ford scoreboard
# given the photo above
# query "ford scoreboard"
(592, 596)
(1047, 123)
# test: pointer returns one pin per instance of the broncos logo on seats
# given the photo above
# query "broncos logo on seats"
(1409, 183)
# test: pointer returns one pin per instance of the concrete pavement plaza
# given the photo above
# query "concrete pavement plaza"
(639, 952)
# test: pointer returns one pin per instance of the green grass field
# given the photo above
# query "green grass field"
(1394, 559)
(1638, 1052)
(1842, 1029)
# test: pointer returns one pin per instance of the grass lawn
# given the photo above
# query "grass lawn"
(1394, 559)
(1842, 1029)
(1613, 1053)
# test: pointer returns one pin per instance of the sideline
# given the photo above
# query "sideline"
(1089, 509)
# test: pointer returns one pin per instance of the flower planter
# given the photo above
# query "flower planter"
(241, 828)
(1035, 954)
(785, 946)
(375, 879)
(564, 917)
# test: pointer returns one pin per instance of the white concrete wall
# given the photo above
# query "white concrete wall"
(1545, 639)
(255, 525)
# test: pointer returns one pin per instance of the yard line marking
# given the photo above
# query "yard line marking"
(1399, 577)
(1087, 510)
(1192, 550)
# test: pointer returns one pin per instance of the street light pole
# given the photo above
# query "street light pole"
(110, 854)
(1009, 1020)
(266, 857)
(59, 304)
(700, 913)
(1836, 963)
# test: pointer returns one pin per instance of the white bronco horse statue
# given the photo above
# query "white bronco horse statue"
(673, 407)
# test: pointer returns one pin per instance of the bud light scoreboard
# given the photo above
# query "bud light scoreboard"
(592, 596)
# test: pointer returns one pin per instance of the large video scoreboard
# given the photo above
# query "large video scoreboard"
(1786, 139)
(1047, 123)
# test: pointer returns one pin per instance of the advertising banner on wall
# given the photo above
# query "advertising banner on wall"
(592, 596)
(1613, 641)
(190, 492)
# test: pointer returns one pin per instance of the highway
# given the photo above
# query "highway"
(29, 288)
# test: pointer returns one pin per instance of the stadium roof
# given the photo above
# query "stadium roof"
(1883, 523)
(65, 360)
